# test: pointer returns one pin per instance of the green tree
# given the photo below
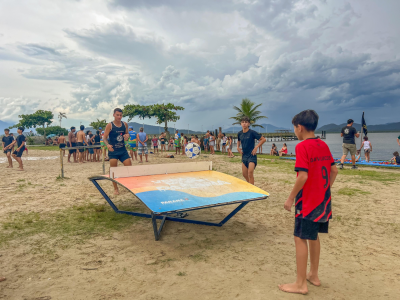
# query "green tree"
(163, 112)
(248, 109)
(166, 113)
(99, 124)
(52, 130)
(40, 118)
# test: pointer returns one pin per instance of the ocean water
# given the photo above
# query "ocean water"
(383, 145)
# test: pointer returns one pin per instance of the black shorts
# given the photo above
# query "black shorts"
(61, 146)
(308, 230)
(6, 151)
(121, 155)
(247, 159)
(72, 150)
(155, 147)
(162, 143)
(80, 145)
(20, 152)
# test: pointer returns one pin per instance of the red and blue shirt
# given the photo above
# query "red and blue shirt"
(313, 202)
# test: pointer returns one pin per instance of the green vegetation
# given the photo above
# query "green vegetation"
(198, 257)
(40, 118)
(57, 130)
(371, 175)
(47, 148)
(99, 124)
(181, 274)
(351, 192)
(66, 227)
(248, 109)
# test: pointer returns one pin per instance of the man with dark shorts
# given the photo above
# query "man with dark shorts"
(17, 154)
(81, 141)
(246, 139)
(72, 143)
(117, 131)
(349, 145)
(62, 142)
(7, 149)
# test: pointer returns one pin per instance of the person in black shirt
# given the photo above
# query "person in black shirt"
(117, 131)
(246, 139)
(7, 141)
(396, 158)
(21, 147)
(349, 144)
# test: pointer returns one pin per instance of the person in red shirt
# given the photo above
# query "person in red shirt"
(316, 173)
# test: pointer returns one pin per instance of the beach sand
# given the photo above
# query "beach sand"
(245, 259)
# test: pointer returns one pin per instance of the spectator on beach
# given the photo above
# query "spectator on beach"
(183, 144)
(154, 141)
(349, 144)
(177, 142)
(396, 158)
(142, 146)
(205, 142)
(367, 148)
(219, 140)
(274, 150)
(229, 145)
(196, 140)
(7, 146)
(283, 150)
(162, 141)
(224, 139)
(212, 143)
(97, 150)
(171, 144)
(62, 142)
(72, 143)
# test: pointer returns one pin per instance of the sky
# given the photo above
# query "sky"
(85, 58)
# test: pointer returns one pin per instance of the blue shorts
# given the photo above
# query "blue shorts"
(121, 155)
(247, 159)
(91, 151)
(308, 230)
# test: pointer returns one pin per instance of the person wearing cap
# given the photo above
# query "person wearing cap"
(132, 143)
(349, 144)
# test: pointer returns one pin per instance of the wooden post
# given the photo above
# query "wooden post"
(62, 163)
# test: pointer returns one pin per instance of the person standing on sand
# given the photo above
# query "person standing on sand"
(312, 197)
(177, 142)
(219, 139)
(7, 149)
(367, 148)
(62, 142)
(162, 141)
(20, 141)
(117, 131)
(132, 143)
(72, 143)
(142, 139)
(246, 139)
(81, 138)
(349, 144)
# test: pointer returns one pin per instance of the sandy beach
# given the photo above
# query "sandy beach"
(60, 240)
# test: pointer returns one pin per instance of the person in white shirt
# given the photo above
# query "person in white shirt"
(367, 148)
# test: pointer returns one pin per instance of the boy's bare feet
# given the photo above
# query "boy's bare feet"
(9, 167)
(116, 192)
(314, 280)
(294, 288)
(2, 279)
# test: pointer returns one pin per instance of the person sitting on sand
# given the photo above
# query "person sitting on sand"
(169, 156)
(396, 158)
(312, 206)
(274, 150)
(283, 151)
(367, 148)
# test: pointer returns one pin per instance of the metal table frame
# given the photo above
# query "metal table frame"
(165, 216)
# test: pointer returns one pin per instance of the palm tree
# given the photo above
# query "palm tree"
(248, 109)
(61, 115)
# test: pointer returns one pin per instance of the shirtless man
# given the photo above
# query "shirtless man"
(62, 142)
(72, 143)
(81, 137)
(117, 131)
(7, 141)
(219, 139)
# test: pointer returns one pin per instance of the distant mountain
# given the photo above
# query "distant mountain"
(371, 128)
(267, 128)
(151, 129)
(4, 125)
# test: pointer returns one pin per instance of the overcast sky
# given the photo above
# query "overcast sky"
(87, 57)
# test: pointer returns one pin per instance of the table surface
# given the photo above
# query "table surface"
(191, 190)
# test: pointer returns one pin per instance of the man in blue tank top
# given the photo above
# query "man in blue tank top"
(114, 138)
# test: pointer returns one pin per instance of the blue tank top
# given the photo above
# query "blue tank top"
(116, 136)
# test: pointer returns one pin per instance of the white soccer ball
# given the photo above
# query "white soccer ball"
(192, 150)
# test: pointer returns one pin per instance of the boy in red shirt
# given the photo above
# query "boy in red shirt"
(316, 173)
